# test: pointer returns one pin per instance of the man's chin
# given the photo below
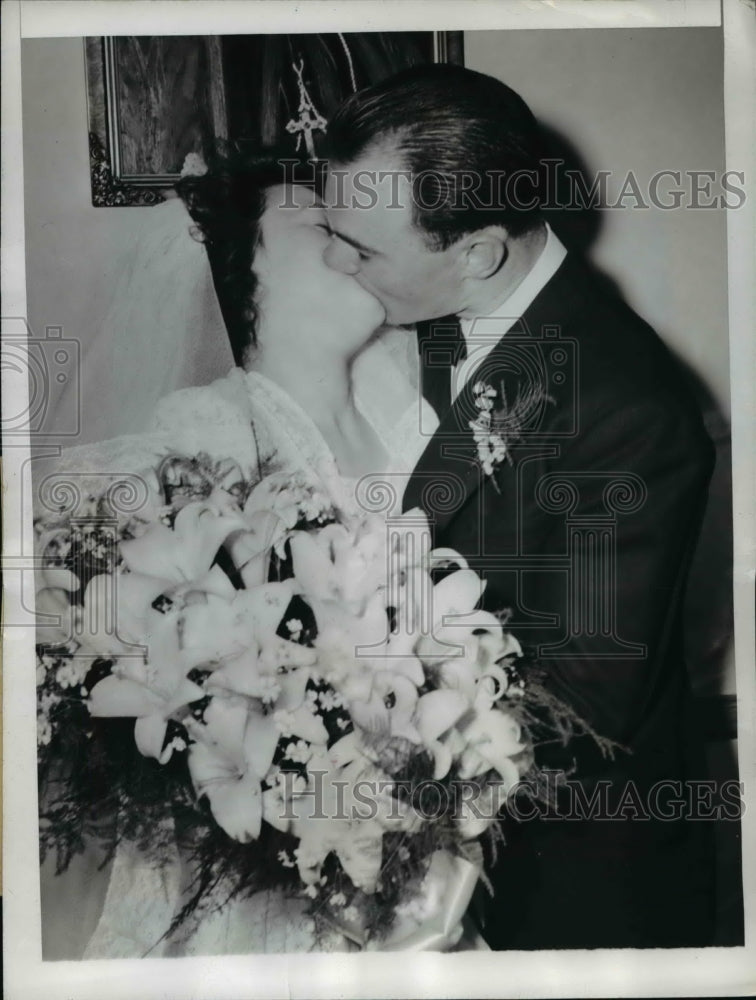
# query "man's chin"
(398, 322)
(390, 324)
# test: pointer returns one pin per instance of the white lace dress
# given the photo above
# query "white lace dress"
(247, 417)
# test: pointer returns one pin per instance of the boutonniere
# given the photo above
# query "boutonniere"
(496, 428)
(492, 448)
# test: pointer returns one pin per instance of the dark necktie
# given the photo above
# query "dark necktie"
(441, 346)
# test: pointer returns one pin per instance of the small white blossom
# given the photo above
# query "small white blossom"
(314, 507)
(491, 446)
(177, 743)
(270, 690)
(286, 860)
(44, 731)
(71, 674)
(294, 625)
(271, 778)
(351, 913)
(338, 899)
(311, 891)
(299, 751)
(327, 701)
(291, 783)
(284, 722)
(48, 700)
(194, 166)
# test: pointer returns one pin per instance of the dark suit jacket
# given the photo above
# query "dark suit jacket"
(587, 535)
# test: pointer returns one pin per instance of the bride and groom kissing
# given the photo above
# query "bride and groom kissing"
(549, 438)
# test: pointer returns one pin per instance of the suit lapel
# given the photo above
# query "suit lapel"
(449, 472)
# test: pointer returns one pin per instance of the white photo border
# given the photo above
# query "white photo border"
(689, 972)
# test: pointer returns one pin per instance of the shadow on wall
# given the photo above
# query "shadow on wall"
(709, 607)
(577, 228)
(708, 611)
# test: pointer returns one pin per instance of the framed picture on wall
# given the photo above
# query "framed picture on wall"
(153, 100)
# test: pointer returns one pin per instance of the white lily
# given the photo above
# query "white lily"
(235, 796)
(476, 815)
(250, 549)
(251, 675)
(323, 823)
(437, 714)
(233, 751)
(214, 629)
(478, 668)
(150, 689)
(491, 738)
(342, 565)
(117, 616)
(54, 616)
(389, 707)
(186, 551)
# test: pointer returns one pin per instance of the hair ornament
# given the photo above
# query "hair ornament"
(194, 165)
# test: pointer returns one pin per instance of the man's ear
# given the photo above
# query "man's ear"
(485, 252)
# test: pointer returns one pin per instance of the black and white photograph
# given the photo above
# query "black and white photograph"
(378, 528)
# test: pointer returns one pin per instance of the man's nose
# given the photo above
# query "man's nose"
(341, 257)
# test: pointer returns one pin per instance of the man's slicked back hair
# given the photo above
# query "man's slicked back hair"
(444, 123)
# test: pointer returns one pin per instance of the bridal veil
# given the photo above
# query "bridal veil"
(164, 331)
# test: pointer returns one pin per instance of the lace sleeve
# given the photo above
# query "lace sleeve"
(93, 469)
(215, 419)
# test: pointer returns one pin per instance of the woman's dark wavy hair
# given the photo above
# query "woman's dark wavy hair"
(227, 204)
(444, 122)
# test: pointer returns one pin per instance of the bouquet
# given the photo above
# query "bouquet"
(306, 698)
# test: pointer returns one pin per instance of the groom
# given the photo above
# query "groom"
(580, 500)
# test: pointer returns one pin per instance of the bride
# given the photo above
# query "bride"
(322, 392)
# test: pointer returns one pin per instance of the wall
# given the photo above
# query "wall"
(648, 100)
(132, 270)
(74, 252)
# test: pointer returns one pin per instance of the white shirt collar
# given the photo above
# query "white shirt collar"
(483, 333)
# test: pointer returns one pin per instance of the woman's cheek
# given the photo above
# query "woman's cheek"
(363, 302)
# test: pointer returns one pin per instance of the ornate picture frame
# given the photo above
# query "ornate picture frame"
(154, 99)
